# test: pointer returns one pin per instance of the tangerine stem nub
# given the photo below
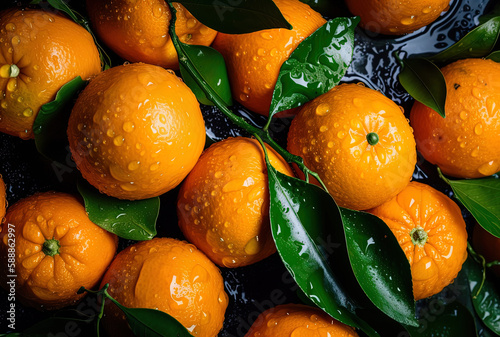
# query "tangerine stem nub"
(9, 70)
(372, 138)
(51, 247)
(418, 236)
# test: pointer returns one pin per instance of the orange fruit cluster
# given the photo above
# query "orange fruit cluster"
(137, 131)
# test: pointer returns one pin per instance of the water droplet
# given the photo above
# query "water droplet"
(476, 92)
(252, 247)
(154, 167)
(274, 52)
(40, 219)
(12, 84)
(323, 109)
(341, 134)
(475, 152)
(323, 128)
(244, 97)
(330, 144)
(261, 52)
(10, 27)
(427, 10)
(218, 174)
(271, 323)
(488, 168)
(128, 126)
(266, 35)
(133, 165)
(16, 40)
(191, 23)
(408, 21)
(28, 112)
(118, 140)
(229, 262)
(129, 187)
(478, 129)
(463, 115)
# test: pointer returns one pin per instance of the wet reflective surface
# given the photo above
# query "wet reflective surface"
(266, 284)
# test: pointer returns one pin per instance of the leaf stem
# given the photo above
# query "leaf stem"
(479, 259)
(263, 134)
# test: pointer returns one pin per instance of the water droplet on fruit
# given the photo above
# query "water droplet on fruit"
(341, 134)
(12, 84)
(478, 129)
(16, 40)
(427, 10)
(476, 92)
(252, 247)
(408, 21)
(266, 35)
(118, 140)
(191, 23)
(488, 168)
(323, 128)
(10, 27)
(133, 165)
(154, 167)
(323, 109)
(28, 112)
(475, 152)
(463, 115)
(128, 126)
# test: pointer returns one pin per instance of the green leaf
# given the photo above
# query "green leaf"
(487, 302)
(490, 15)
(478, 42)
(212, 69)
(51, 122)
(424, 81)
(449, 320)
(495, 56)
(482, 198)
(133, 220)
(294, 206)
(152, 323)
(316, 65)
(237, 17)
(380, 265)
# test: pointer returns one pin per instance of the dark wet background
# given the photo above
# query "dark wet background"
(255, 288)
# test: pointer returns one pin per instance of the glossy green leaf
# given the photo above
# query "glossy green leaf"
(294, 206)
(495, 56)
(316, 65)
(478, 42)
(237, 17)
(212, 69)
(448, 320)
(487, 301)
(51, 122)
(152, 323)
(482, 198)
(380, 265)
(133, 220)
(424, 82)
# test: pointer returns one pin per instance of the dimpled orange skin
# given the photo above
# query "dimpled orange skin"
(290, 320)
(49, 50)
(168, 275)
(330, 133)
(3, 201)
(86, 250)
(253, 60)
(436, 262)
(138, 30)
(396, 17)
(223, 205)
(136, 131)
(464, 144)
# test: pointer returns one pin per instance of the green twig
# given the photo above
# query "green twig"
(479, 259)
